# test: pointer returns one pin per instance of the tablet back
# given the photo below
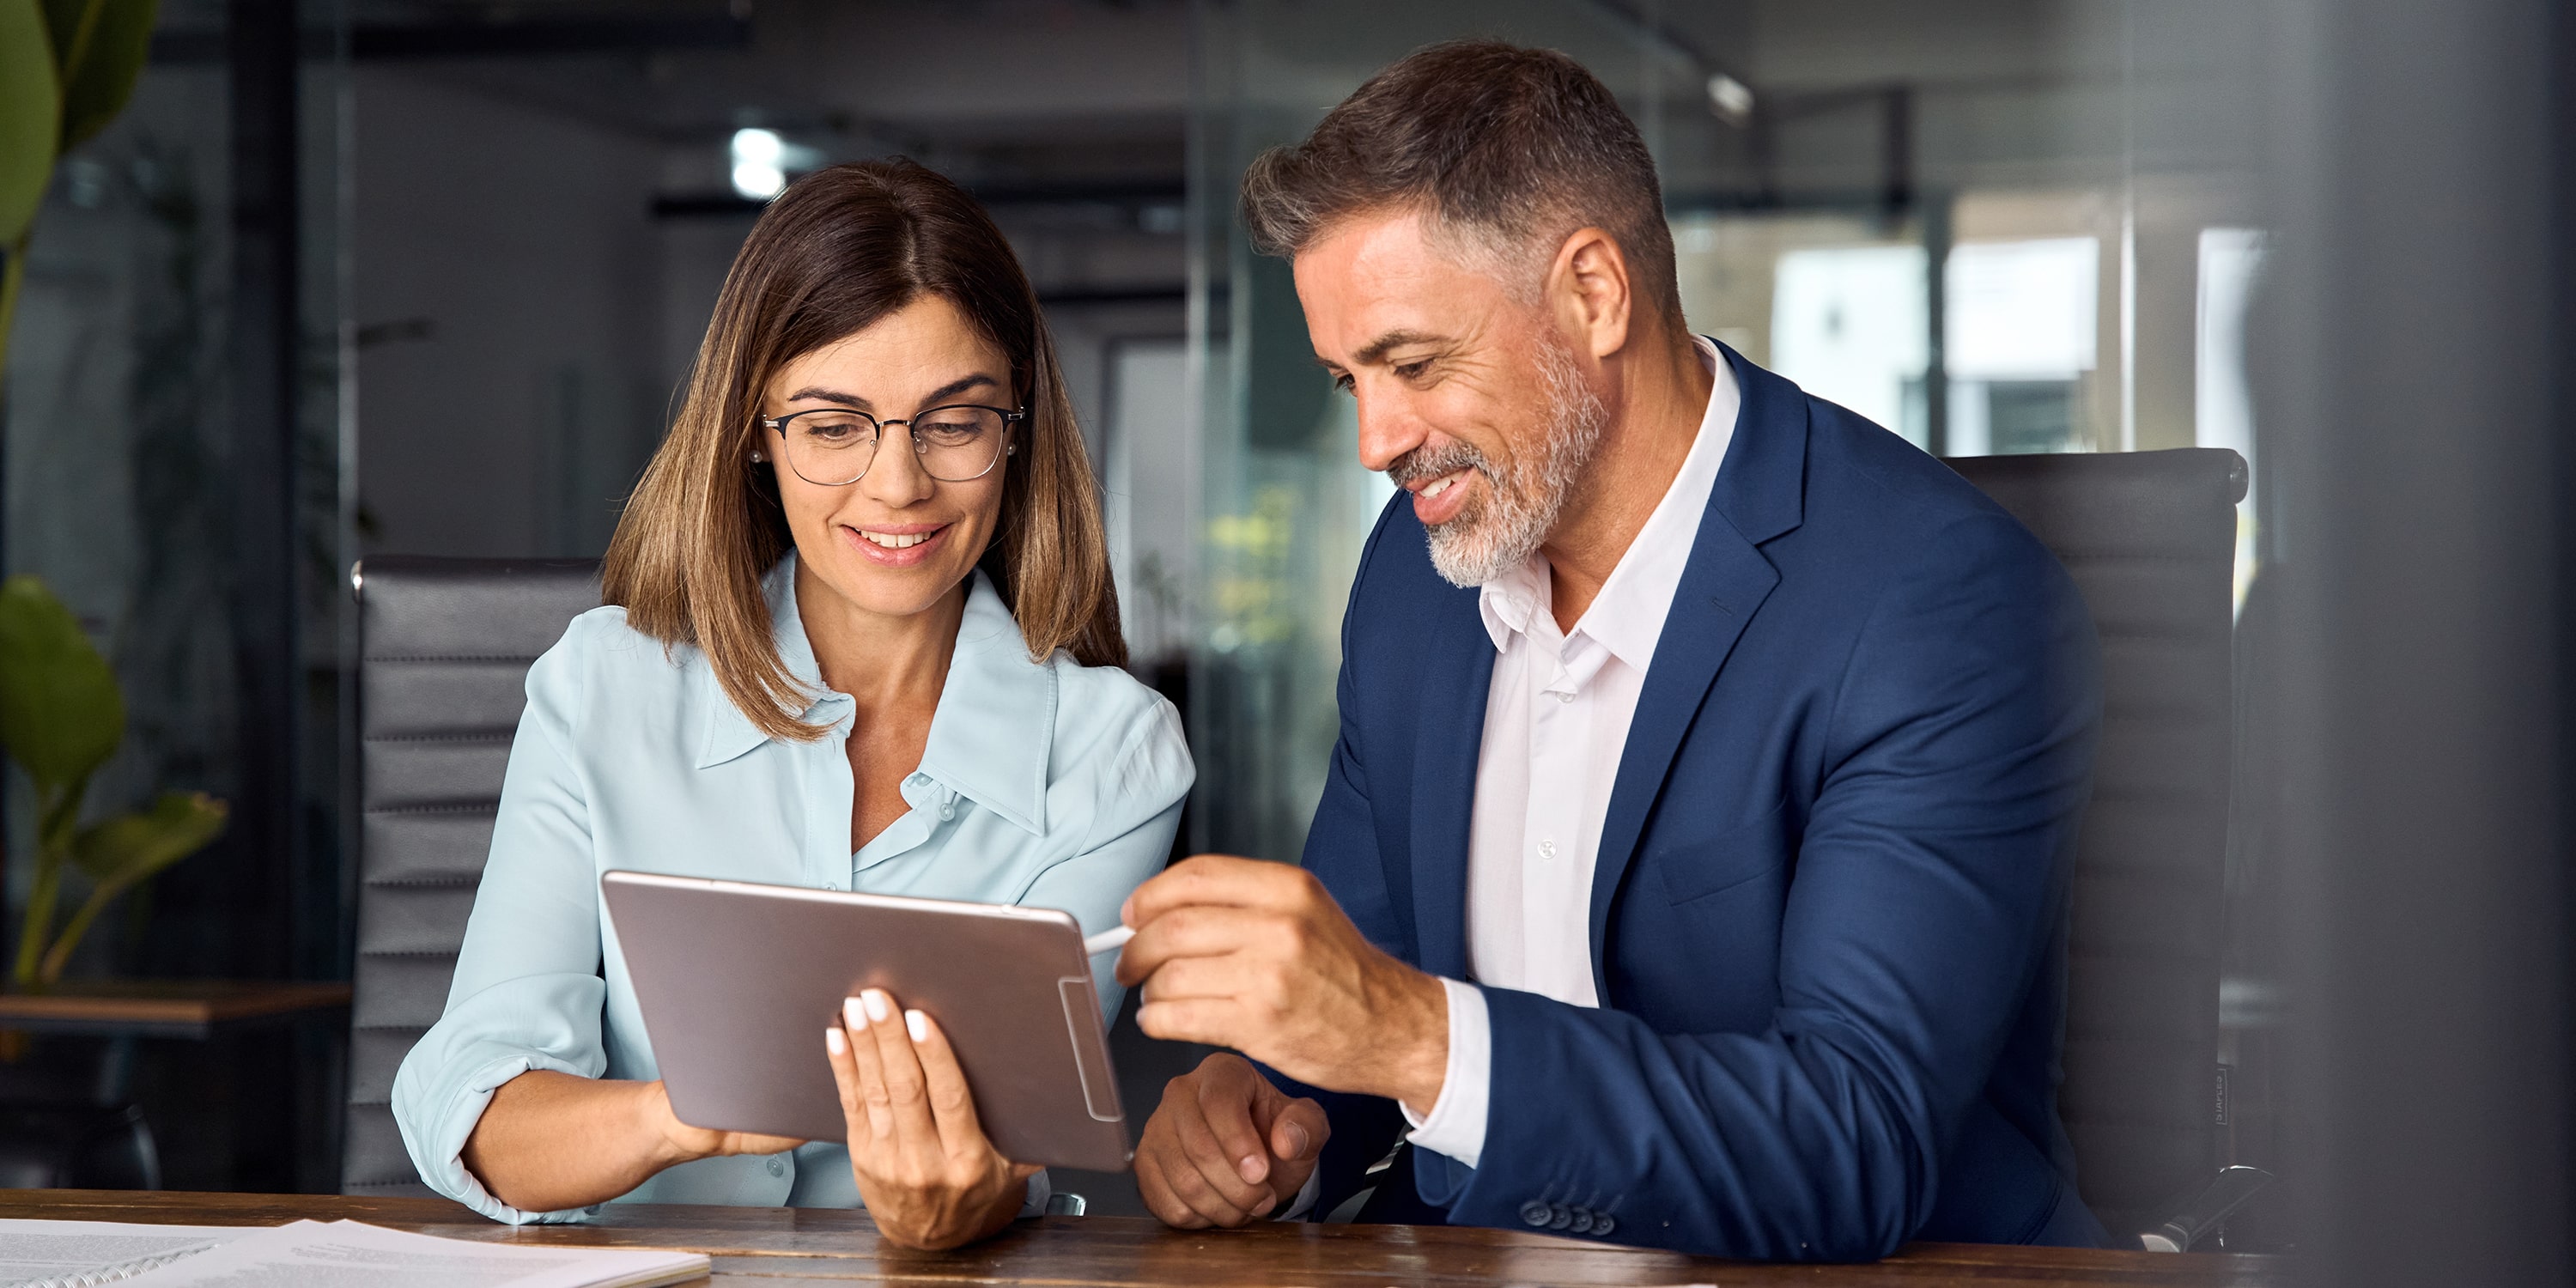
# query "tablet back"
(738, 981)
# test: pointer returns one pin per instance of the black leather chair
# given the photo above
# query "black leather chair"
(444, 648)
(2150, 538)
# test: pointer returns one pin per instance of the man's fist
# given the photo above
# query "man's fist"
(1226, 1147)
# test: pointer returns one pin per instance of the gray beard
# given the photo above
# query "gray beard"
(1499, 531)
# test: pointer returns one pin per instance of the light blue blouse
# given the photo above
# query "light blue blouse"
(1047, 784)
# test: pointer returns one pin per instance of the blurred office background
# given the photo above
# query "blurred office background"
(425, 276)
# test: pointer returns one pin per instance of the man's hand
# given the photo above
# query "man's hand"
(1256, 956)
(1226, 1147)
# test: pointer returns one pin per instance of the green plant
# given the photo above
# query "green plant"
(61, 717)
(66, 69)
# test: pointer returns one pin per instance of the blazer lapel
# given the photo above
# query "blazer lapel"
(1452, 735)
(1759, 495)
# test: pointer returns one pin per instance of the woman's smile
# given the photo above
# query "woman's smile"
(895, 545)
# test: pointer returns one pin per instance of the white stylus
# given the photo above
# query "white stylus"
(1108, 941)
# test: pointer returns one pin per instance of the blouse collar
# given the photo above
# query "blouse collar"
(989, 735)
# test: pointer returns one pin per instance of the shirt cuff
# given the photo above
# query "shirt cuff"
(1305, 1200)
(1456, 1125)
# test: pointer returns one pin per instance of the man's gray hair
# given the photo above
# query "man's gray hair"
(1506, 150)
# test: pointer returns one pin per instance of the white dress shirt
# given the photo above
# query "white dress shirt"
(1556, 721)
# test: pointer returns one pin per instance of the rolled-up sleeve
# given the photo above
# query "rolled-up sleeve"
(527, 992)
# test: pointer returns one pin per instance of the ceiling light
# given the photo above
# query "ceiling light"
(757, 172)
(1730, 99)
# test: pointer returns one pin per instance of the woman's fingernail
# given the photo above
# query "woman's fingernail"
(877, 1008)
(856, 1014)
(917, 1024)
(834, 1042)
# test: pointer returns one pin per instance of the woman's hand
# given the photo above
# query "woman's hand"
(683, 1143)
(930, 1178)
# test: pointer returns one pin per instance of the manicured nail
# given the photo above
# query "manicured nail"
(917, 1024)
(856, 1014)
(877, 1008)
(834, 1042)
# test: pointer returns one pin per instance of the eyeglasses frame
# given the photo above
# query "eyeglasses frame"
(1010, 418)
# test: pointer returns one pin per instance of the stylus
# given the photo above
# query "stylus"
(1108, 941)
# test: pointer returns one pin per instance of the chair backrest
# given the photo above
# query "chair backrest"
(444, 648)
(2150, 538)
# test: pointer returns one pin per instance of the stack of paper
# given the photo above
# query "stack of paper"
(312, 1254)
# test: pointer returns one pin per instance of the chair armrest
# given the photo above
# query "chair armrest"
(2200, 1216)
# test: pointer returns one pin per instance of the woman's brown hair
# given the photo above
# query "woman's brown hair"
(837, 251)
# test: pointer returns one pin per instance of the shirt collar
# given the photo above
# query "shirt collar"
(1627, 617)
(989, 735)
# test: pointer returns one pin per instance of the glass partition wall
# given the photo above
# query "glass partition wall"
(177, 472)
(1284, 504)
(1998, 228)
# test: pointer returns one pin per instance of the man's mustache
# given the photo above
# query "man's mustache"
(1426, 463)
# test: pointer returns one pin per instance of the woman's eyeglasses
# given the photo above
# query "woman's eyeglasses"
(833, 446)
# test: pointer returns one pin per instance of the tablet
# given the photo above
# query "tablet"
(737, 982)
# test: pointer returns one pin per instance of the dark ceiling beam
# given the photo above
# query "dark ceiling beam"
(1125, 193)
(405, 42)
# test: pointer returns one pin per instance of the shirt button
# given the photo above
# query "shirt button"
(1565, 697)
(1535, 1213)
(1547, 848)
(777, 1168)
(919, 780)
(947, 812)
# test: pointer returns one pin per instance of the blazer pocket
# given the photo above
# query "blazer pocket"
(1698, 868)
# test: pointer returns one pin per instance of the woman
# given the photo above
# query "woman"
(860, 635)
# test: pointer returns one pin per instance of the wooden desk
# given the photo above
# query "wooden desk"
(789, 1247)
(186, 1008)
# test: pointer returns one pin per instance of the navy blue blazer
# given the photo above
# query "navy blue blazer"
(1828, 918)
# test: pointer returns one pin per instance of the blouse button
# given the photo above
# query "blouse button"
(777, 1168)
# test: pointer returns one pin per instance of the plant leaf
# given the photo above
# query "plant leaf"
(61, 713)
(98, 77)
(124, 850)
(31, 109)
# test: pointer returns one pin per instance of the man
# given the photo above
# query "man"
(1692, 868)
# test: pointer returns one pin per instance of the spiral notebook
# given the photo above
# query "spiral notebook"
(312, 1254)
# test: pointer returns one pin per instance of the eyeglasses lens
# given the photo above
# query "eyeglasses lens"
(955, 444)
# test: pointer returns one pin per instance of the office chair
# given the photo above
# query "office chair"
(444, 649)
(2150, 539)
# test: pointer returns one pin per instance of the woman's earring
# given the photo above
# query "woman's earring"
(756, 457)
